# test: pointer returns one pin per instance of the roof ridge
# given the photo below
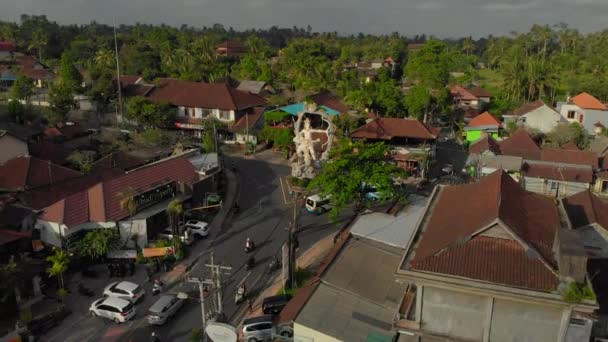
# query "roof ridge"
(229, 90)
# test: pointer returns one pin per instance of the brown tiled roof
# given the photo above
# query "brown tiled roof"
(520, 144)
(557, 155)
(479, 92)
(203, 95)
(484, 119)
(120, 160)
(587, 101)
(496, 198)
(460, 93)
(389, 128)
(584, 208)
(50, 151)
(528, 107)
(571, 145)
(498, 261)
(24, 173)
(249, 119)
(554, 172)
(485, 143)
(331, 101)
(128, 79)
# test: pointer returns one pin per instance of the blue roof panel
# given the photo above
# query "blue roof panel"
(296, 108)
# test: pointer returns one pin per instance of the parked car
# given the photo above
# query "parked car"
(117, 309)
(186, 236)
(164, 308)
(198, 228)
(125, 290)
(447, 169)
(273, 305)
(262, 328)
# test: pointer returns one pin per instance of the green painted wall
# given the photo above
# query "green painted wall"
(475, 135)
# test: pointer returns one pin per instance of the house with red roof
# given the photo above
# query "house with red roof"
(231, 48)
(470, 97)
(483, 123)
(68, 209)
(411, 140)
(25, 173)
(196, 102)
(496, 268)
(586, 110)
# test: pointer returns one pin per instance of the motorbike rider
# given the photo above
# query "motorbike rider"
(157, 287)
(155, 337)
(249, 244)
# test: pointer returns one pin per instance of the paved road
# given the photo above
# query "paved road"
(264, 216)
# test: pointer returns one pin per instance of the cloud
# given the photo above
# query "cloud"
(509, 7)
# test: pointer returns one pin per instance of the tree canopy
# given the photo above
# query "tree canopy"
(353, 166)
(149, 113)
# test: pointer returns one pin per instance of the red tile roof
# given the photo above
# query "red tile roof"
(203, 95)
(585, 208)
(50, 151)
(7, 236)
(498, 261)
(567, 174)
(587, 101)
(557, 155)
(485, 143)
(7, 46)
(24, 173)
(331, 101)
(571, 146)
(484, 119)
(528, 107)
(460, 93)
(479, 92)
(496, 198)
(247, 120)
(389, 128)
(520, 144)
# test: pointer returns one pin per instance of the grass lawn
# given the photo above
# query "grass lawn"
(302, 275)
(490, 79)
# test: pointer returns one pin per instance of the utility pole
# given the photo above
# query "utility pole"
(119, 108)
(201, 288)
(217, 271)
(291, 245)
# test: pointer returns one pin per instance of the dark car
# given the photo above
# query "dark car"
(273, 305)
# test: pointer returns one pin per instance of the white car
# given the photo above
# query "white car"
(125, 290)
(198, 228)
(116, 309)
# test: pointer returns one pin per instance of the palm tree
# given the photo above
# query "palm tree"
(104, 58)
(127, 202)
(39, 41)
(468, 45)
(60, 261)
(203, 49)
(174, 211)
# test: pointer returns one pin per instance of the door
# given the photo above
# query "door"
(580, 118)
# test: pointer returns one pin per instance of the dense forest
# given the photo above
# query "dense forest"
(547, 63)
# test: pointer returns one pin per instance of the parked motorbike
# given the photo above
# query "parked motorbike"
(240, 294)
(157, 287)
(85, 291)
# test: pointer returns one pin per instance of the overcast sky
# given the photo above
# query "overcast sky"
(443, 18)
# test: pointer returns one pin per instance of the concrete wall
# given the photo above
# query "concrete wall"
(454, 314)
(544, 119)
(539, 186)
(11, 147)
(524, 322)
(590, 116)
(304, 334)
(51, 232)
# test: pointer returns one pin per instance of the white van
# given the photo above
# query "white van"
(317, 205)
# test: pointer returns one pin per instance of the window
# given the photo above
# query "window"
(225, 114)
(553, 185)
(571, 114)
(206, 112)
(192, 112)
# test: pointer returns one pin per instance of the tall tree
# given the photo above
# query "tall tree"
(69, 76)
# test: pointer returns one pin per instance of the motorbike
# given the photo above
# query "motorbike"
(157, 287)
(249, 247)
(250, 263)
(240, 295)
(274, 264)
(154, 337)
(236, 208)
(85, 291)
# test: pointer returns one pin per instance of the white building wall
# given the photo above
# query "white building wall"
(129, 229)
(51, 232)
(524, 322)
(11, 147)
(543, 119)
(594, 116)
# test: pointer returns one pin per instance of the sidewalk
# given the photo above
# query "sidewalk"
(215, 227)
(311, 256)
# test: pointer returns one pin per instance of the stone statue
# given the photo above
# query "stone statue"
(305, 144)
(306, 161)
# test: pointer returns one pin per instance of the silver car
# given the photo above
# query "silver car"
(165, 307)
(263, 328)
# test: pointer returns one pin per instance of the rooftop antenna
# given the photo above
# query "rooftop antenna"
(119, 108)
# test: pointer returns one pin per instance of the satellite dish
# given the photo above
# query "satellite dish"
(221, 332)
